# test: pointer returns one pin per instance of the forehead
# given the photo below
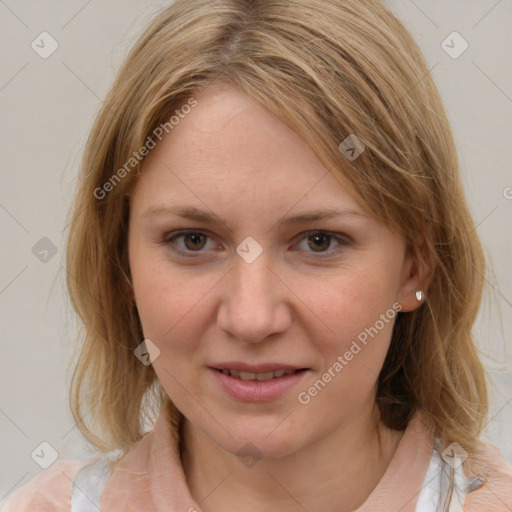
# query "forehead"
(231, 148)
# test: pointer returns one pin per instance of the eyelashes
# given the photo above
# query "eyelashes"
(192, 236)
(194, 243)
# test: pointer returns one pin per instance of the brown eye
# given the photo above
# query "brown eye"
(319, 242)
(323, 244)
(194, 241)
(189, 243)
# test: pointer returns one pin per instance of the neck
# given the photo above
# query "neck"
(335, 473)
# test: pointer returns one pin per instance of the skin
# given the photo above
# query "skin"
(297, 303)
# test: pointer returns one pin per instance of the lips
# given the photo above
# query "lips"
(257, 386)
(256, 372)
(257, 376)
(255, 368)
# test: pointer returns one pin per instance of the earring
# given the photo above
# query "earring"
(419, 295)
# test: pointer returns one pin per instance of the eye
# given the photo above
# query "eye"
(187, 242)
(321, 241)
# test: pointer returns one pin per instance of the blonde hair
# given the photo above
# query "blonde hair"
(329, 69)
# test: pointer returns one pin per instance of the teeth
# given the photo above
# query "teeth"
(260, 377)
(265, 376)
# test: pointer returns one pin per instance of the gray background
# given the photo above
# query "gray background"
(48, 106)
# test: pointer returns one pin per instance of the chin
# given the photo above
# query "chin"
(259, 441)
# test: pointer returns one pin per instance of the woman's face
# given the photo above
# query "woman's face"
(262, 282)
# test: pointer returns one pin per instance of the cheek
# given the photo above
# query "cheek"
(169, 304)
(172, 314)
(350, 304)
(357, 316)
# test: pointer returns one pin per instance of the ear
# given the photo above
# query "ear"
(417, 273)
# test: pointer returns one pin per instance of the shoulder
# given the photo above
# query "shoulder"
(49, 491)
(495, 493)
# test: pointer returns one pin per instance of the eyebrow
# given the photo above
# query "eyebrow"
(209, 217)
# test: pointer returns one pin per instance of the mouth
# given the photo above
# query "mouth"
(260, 377)
(270, 382)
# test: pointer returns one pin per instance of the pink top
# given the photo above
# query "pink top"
(150, 477)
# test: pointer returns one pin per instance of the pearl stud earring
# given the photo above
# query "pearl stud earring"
(419, 295)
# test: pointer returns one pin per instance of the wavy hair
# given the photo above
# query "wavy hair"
(328, 68)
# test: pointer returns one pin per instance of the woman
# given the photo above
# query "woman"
(271, 247)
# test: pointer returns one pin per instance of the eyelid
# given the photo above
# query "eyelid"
(341, 239)
(170, 237)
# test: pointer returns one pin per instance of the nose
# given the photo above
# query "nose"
(255, 303)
